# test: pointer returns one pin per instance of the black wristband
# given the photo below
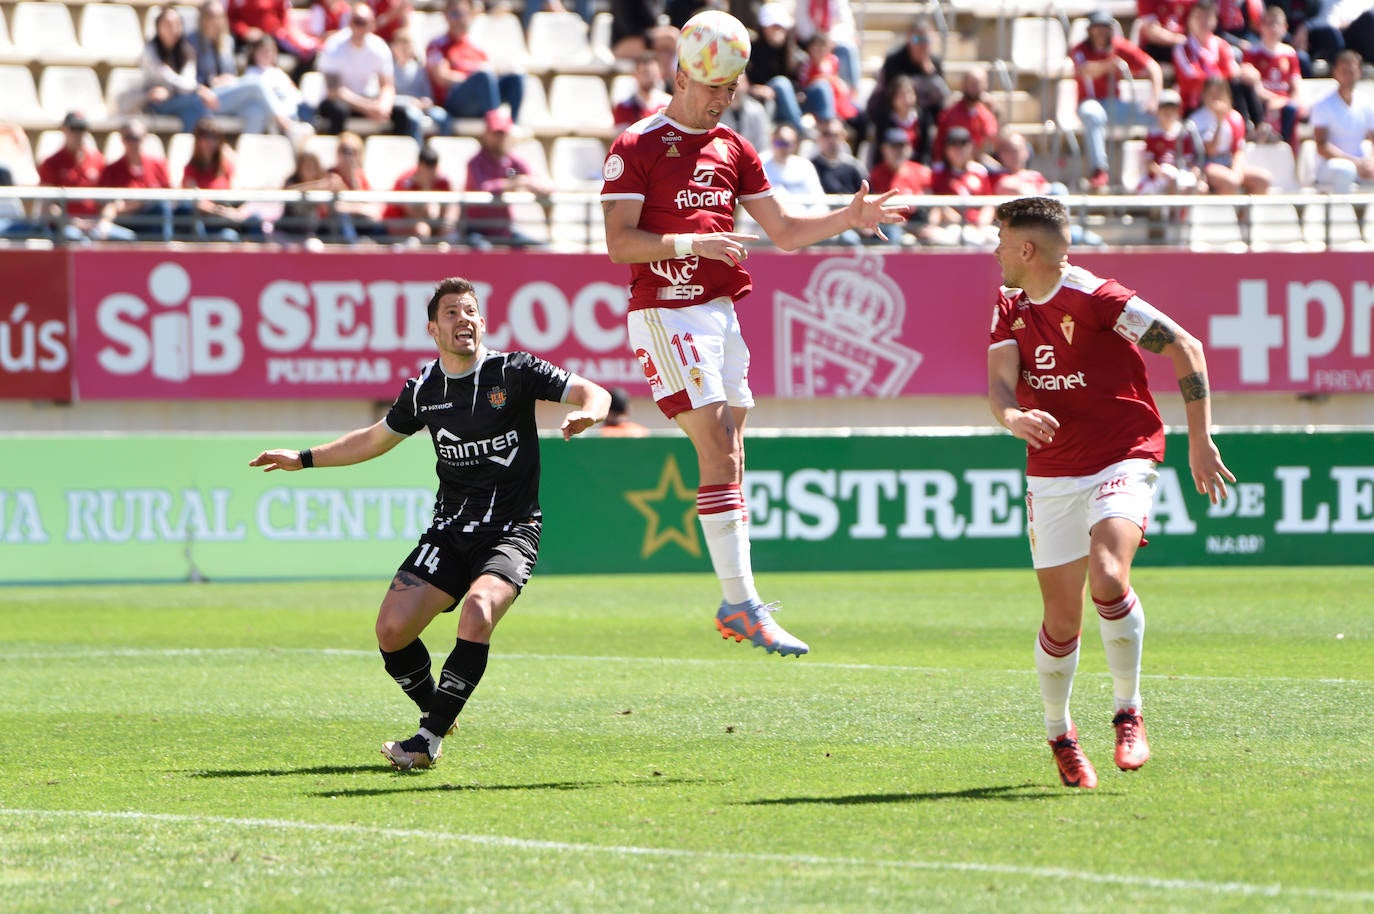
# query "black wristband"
(307, 459)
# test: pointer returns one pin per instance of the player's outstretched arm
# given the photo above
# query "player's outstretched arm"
(1167, 338)
(594, 402)
(355, 447)
(865, 213)
(1033, 426)
(626, 242)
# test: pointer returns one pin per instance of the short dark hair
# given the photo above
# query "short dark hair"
(454, 285)
(1034, 212)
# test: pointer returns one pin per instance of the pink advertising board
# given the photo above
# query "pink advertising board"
(823, 323)
(35, 329)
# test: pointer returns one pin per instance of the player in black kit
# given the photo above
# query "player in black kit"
(482, 544)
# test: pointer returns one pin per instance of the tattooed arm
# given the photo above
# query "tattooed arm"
(1167, 338)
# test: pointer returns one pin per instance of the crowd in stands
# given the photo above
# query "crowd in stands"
(1199, 82)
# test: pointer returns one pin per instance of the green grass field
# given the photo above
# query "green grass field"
(215, 748)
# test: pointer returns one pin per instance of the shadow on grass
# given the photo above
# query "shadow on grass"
(487, 788)
(286, 772)
(1003, 793)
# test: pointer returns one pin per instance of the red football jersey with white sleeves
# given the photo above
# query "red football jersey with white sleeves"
(1079, 363)
(688, 181)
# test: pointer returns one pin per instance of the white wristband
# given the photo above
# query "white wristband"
(682, 244)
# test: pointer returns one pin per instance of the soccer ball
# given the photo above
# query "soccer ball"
(713, 48)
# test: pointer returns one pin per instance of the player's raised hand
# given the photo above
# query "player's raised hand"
(577, 422)
(1210, 475)
(280, 459)
(868, 213)
(725, 246)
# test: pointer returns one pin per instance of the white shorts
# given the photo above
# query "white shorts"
(692, 356)
(1061, 511)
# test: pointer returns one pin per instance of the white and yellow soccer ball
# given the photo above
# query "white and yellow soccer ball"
(713, 48)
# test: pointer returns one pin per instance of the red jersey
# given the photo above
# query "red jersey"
(1161, 147)
(462, 55)
(634, 108)
(150, 173)
(828, 71)
(1195, 60)
(387, 30)
(973, 181)
(1105, 86)
(1079, 363)
(1172, 14)
(687, 181)
(976, 118)
(61, 169)
(270, 16)
(407, 182)
(911, 178)
(207, 177)
(1277, 68)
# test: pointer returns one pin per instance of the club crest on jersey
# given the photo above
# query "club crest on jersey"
(1066, 327)
(496, 397)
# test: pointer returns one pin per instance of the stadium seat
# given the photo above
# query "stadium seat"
(64, 88)
(264, 161)
(179, 148)
(386, 158)
(1038, 46)
(575, 163)
(454, 154)
(502, 36)
(1279, 161)
(534, 109)
(1211, 228)
(600, 38)
(1314, 90)
(111, 33)
(529, 218)
(17, 155)
(124, 92)
(577, 226)
(8, 52)
(532, 151)
(45, 29)
(19, 99)
(559, 43)
(425, 27)
(1132, 164)
(1332, 225)
(580, 105)
(324, 146)
(1276, 226)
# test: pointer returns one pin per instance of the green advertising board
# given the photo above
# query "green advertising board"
(168, 508)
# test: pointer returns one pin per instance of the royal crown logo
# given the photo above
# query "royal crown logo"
(839, 339)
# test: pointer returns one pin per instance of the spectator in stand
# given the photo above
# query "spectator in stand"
(972, 113)
(1205, 55)
(960, 174)
(1322, 32)
(251, 19)
(747, 116)
(648, 98)
(170, 83)
(838, 170)
(775, 63)
(792, 175)
(413, 87)
(217, 70)
(914, 59)
(290, 113)
(211, 167)
(639, 26)
(1098, 63)
(1016, 178)
(461, 76)
(1341, 123)
(1273, 68)
(149, 220)
(357, 220)
(495, 170)
(1238, 21)
(835, 20)
(618, 423)
(1162, 26)
(901, 113)
(327, 17)
(78, 164)
(1170, 167)
(392, 16)
(422, 221)
(309, 221)
(1222, 132)
(896, 170)
(360, 80)
(821, 70)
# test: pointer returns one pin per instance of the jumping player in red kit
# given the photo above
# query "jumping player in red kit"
(1065, 375)
(672, 182)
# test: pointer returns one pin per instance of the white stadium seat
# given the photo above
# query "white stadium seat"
(575, 162)
(65, 88)
(580, 104)
(386, 158)
(559, 43)
(46, 30)
(502, 36)
(111, 33)
(19, 99)
(454, 154)
(264, 161)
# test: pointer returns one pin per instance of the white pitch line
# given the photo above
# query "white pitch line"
(530, 844)
(592, 658)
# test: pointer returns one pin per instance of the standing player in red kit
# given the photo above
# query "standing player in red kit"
(672, 182)
(1065, 375)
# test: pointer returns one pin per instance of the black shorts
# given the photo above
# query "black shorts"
(451, 561)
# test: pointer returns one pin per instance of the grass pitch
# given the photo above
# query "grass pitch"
(215, 748)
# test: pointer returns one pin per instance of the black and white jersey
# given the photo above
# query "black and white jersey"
(484, 433)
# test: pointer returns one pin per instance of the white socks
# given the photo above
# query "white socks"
(1056, 662)
(1123, 636)
(725, 526)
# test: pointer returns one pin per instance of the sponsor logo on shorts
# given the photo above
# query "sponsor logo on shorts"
(650, 369)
